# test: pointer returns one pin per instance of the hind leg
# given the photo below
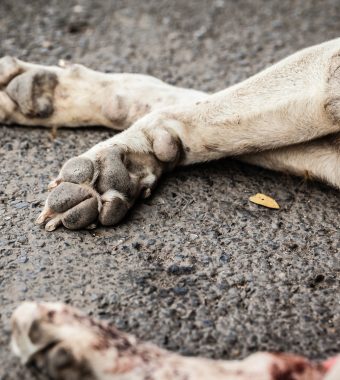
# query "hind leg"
(318, 159)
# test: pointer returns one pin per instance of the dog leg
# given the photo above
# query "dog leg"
(77, 96)
(66, 99)
(318, 159)
(65, 344)
(292, 102)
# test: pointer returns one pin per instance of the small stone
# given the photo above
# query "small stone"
(23, 259)
(24, 145)
(180, 291)
(21, 205)
(178, 270)
(136, 245)
(23, 289)
(22, 239)
(94, 297)
(8, 146)
(224, 258)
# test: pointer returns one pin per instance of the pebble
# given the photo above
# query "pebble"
(21, 205)
(180, 291)
(178, 270)
(24, 145)
(23, 259)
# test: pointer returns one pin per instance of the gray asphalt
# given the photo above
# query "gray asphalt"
(197, 269)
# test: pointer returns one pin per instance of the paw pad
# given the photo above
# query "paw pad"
(77, 170)
(82, 215)
(113, 173)
(66, 196)
(113, 211)
(73, 205)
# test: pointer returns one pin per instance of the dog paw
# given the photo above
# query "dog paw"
(33, 92)
(26, 91)
(55, 340)
(102, 188)
(63, 343)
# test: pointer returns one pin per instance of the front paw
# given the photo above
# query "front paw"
(104, 188)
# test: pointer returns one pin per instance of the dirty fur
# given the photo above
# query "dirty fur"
(69, 345)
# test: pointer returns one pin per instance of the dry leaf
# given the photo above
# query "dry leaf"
(264, 200)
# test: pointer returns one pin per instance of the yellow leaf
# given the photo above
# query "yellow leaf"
(264, 200)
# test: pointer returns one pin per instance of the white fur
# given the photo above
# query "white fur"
(281, 106)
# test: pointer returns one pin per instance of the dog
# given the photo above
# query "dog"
(285, 118)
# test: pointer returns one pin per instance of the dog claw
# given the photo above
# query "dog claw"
(91, 226)
(53, 224)
(46, 214)
(53, 184)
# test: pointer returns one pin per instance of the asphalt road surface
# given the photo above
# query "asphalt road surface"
(197, 268)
